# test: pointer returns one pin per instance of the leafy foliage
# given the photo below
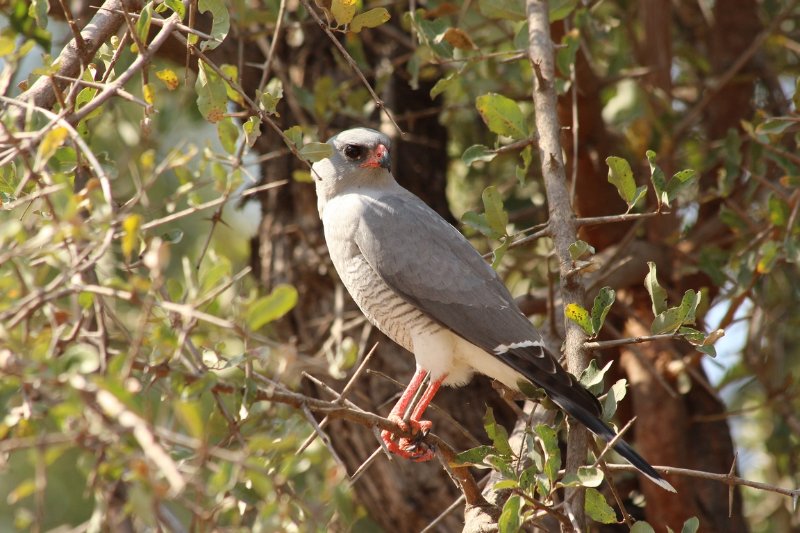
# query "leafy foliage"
(134, 346)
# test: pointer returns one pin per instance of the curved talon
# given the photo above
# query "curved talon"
(412, 448)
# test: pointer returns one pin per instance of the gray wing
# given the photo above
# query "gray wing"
(432, 266)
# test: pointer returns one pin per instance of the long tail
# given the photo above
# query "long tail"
(599, 428)
(539, 366)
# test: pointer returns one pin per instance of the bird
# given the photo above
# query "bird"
(420, 281)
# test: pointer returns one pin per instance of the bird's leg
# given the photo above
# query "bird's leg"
(412, 448)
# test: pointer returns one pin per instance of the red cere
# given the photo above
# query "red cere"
(378, 158)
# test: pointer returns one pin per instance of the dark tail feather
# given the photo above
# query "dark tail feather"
(599, 428)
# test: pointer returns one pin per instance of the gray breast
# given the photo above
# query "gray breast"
(381, 305)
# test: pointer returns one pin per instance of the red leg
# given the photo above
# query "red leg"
(411, 448)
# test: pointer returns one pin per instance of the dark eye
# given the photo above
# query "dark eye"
(353, 151)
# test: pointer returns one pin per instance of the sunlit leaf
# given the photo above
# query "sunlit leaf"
(52, 140)
(602, 305)
(503, 9)
(343, 11)
(316, 151)
(220, 25)
(169, 78)
(496, 216)
(477, 152)
(658, 296)
(269, 308)
(212, 99)
(369, 19)
(509, 521)
(597, 508)
(502, 115)
(228, 133)
(131, 226)
(580, 316)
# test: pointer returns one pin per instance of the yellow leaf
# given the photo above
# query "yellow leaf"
(131, 226)
(169, 78)
(370, 19)
(343, 11)
(51, 142)
(580, 316)
(148, 93)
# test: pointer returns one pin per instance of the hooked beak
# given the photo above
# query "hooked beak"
(378, 158)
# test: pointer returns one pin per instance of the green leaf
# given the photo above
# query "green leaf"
(316, 151)
(442, 85)
(212, 99)
(598, 509)
(503, 9)
(510, 521)
(615, 395)
(621, 176)
(173, 236)
(295, 135)
(775, 126)
(252, 130)
(667, 321)
(587, 476)
(176, 6)
(496, 216)
(657, 293)
(478, 222)
(579, 249)
(477, 152)
(188, 412)
(80, 358)
(269, 308)
(592, 376)
(560, 9)
(580, 316)
(228, 133)
(691, 525)
(370, 19)
(343, 11)
(499, 252)
(221, 22)
(642, 527)
(658, 179)
(552, 453)
(497, 433)
(474, 456)
(273, 92)
(602, 305)
(143, 24)
(688, 307)
(232, 72)
(38, 11)
(679, 181)
(565, 54)
(502, 115)
(506, 484)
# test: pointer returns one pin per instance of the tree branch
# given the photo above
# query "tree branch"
(106, 22)
(562, 224)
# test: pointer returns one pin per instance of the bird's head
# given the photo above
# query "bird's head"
(360, 158)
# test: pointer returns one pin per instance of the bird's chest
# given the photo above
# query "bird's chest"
(382, 306)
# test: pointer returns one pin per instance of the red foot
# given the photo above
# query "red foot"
(410, 448)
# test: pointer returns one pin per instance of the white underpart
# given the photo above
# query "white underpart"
(503, 348)
(443, 352)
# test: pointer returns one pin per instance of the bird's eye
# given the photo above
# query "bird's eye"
(353, 151)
